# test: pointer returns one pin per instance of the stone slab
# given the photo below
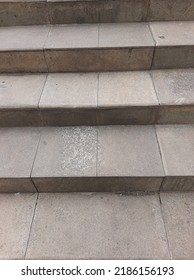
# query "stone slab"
(70, 91)
(163, 33)
(171, 10)
(23, 91)
(178, 209)
(120, 225)
(16, 213)
(174, 87)
(17, 152)
(176, 144)
(125, 35)
(72, 36)
(66, 152)
(20, 37)
(130, 151)
(126, 89)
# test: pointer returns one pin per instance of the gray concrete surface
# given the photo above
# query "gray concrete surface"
(97, 226)
(21, 91)
(16, 215)
(129, 151)
(178, 209)
(126, 89)
(70, 90)
(125, 35)
(18, 148)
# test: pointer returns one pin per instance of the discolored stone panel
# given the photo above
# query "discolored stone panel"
(66, 152)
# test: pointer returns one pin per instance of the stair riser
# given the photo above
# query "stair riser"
(42, 12)
(97, 60)
(118, 116)
(94, 184)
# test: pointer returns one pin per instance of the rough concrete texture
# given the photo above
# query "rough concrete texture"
(69, 116)
(98, 226)
(16, 214)
(32, 12)
(170, 10)
(22, 61)
(23, 12)
(178, 209)
(173, 57)
(175, 114)
(96, 11)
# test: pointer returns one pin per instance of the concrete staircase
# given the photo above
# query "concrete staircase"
(73, 152)
(96, 96)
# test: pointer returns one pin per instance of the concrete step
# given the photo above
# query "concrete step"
(97, 47)
(32, 12)
(107, 98)
(99, 226)
(97, 159)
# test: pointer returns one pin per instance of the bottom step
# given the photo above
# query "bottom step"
(97, 159)
(96, 226)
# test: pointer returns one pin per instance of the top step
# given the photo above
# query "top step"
(37, 12)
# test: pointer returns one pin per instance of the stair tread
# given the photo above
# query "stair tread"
(109, 89)
(69, 158)
(133, 97)
(107, 35)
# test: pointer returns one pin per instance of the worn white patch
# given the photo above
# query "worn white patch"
(79, 149)
(180, 100)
